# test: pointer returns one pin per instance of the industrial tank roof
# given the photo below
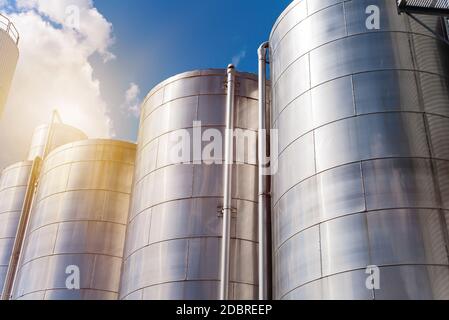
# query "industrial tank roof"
(197, 73)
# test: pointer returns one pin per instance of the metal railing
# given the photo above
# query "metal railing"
(7, 26)
(434, 7)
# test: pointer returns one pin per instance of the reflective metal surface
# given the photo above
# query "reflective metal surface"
(175, 228)
(13, 186)
(9, 55)
(363, 119)
(58, 134)
(78, 219)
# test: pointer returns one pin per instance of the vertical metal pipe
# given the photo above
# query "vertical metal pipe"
(26, 211)
(21, 229)
(263, 219)
(227, 187)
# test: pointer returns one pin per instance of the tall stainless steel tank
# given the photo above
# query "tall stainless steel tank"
(57, 134)
(175, 228)
(363, 119)
(78, 220)
(9, 55)
(13, 186)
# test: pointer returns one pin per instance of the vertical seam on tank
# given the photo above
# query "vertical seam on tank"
(313, 132)
(345, 19)
(187, 259)
(56, 239)
(368, 239)
(321, 251)
(353, 95)
(148, 242)
(363, 186)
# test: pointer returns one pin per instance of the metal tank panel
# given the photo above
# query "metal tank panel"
(363, 118)
(174, 233)
(9, 55)
(13, 186)
(78, 219)
(60, 135)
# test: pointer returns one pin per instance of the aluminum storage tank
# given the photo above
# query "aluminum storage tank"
(59, 135)
(78, 219)
(9, 55)
(13, 186)
(363, 118)
(174, 233)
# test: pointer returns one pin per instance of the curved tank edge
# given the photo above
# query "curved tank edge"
(196, 73)
(283, 15)
(129, 144)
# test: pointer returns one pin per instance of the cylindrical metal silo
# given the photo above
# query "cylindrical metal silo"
(175, 227)
(363, 120)
(13, 186)
(52, 136)
(78, 220)
(9, 55)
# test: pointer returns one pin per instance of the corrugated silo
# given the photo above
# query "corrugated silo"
(13, 186)
(78, 220)
(175, 227)
(363, 119)
(9, 55)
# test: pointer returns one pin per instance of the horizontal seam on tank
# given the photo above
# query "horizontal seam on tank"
(351, 163)
(347, 37)
(145, 117)
(189, 198)
(25, 263)
(116, 144)
(125, 259)
(58, 289)
(359, 116)
(12, 187)
(65, 148)
(364, 269)
(165, 83)
(218, 198)
(16, 166)
(8, 238)
(365, 212)
(284, 15)
(275, 49)
(85, 161)
(304, 19)
(39, 200)
(74, 221)
(10, 211)
(354, 74)
(182, 281)
(210, 126)
(191, 165)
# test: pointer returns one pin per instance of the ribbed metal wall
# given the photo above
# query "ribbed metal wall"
(60, 134)
(9, 55)
(13, 186)
(174, 233)
(78, 218)
(363, 119)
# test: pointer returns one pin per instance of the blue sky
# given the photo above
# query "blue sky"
(95, 71)
(157, 39)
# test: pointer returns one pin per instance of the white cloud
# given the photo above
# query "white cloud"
(54, 72)
(132, 102)
(238, 58)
